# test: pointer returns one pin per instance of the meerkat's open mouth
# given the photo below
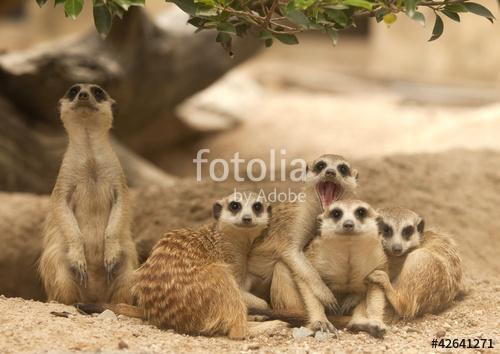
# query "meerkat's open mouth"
(328, 192)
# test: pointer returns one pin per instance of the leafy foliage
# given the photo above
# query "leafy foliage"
(282, 20)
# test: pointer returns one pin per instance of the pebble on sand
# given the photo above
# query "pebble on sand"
(108, 315)
(302, 332)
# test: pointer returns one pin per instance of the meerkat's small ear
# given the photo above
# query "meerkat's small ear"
(114, 108)
(380, 223)
(355, 173)
(269, 210)
(421, 226)
(319, 221)
(217, 210)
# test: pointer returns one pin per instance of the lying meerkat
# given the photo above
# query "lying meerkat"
(425, 269)
(191, 282)
(346, 251)
(88, 252)
(278, 259)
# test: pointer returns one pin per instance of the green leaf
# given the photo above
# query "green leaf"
(287, 38)
(337, 7)
(72, 8)
(205, 11)
(359, 3)
(210, 3)
(437, 31)
(187, 6)
(137, 2)
(102, 20)
(456, 8)
(411, 7)
(479, 10)
(298, 18)
(226, 27)
(453, 15)
(333, 34)
(58, 2)
(41, 2)
(303, 4)
(226, 41)
(338, 17)
(419, 17)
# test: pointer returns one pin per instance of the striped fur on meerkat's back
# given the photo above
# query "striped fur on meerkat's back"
(187, 283)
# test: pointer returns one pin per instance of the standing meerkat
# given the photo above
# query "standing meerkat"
(192, 280)
(425, 269)
(88, 252)
(278, 259)
(347, 250)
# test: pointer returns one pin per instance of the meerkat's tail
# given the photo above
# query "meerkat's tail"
(119, 309)
(295, 319)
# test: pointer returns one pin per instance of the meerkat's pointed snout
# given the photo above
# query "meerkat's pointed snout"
(348, 225)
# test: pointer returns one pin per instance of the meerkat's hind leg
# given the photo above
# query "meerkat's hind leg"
(359, 321)
(284, 292)
(254, 302)
(57, 277)
(120, 290)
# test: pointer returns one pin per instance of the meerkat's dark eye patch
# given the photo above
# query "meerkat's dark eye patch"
(319, 166)
(234, 207)
(386, 230)
(98, 93)
(344, 170)
(361, 213)
(336, 214)
(407, 232)
(257, 207)
(72, 92)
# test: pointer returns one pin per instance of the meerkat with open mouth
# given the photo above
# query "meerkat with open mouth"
(278, 260)
(425, 269)
(88, 252)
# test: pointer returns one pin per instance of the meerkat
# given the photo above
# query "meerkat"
(192, 281)
(347, 250)
(278, 260)
(425, 269)
(88, 252)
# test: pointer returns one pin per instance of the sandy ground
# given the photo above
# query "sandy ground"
(31, 328)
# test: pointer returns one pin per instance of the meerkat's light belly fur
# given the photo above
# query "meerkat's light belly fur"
(344, 262)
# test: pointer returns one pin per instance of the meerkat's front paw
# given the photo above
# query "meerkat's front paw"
(349, 303)
(78, 265)
(323, 326)
(326, 297)
(112, 255)
(377, 329)
(378, 277)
